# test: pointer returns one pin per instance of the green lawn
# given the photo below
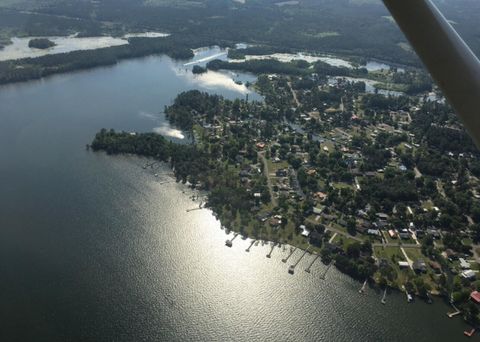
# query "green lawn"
(273, 167)
(341, 185)
(389, 253)
(427, 205)
(415, 254)
(343, 241)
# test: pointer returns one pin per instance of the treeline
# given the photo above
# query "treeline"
(260, 66)
(340, 27)
(187, 104)
(296, 27)
(385, 193)
(356, 261)
(380, 102)
(25, 23)
(227, 195)
(188, 162)
(295, 67)
(40, 43)
(179, 47)
(440, 128)
(416, 81)
(258, 50)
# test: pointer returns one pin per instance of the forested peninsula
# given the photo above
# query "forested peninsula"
(386, 187)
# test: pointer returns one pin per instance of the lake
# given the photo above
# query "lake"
(369, 85)
(20, 49)
(95, 248)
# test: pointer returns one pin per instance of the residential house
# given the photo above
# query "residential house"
(436, 267)
(464, 264)
(419, 266)
(468, 274)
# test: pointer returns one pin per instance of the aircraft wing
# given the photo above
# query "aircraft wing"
(452, 64)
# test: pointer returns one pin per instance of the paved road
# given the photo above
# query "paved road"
(266, 172)
(377, 244)
(294, 94)
(418, 174)
(440, 188)
(410, 262)
(333, 237)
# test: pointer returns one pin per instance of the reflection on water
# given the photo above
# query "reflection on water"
(19, 47)
(96, 248)
(210, 80)
(147, 35)
(215, 79)
(167, 131)
(378, 66)
(288, 57)
(206, 59)
(369, 85)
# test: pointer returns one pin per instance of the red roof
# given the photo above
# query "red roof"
(475, 296)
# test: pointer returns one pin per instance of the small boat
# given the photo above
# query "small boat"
(409, 298)
(228, 243)
(156, 175)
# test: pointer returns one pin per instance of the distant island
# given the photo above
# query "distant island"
(197, 69)
(41, 43)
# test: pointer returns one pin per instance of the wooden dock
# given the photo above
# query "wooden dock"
(453, 314)
(229, 243)
(149, 165)
(269, 255)
(200, 206)
(384, 298)
(248, 249)
(291, 269)
(326, 270)
(311, 264)
(292, 250)
(364, 286)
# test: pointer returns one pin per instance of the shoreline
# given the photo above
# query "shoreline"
(237, 180)
(75, 53)
(266, 241)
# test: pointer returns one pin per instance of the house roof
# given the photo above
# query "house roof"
(320, 195)
(419, 265)
(475, 296)
(374, 232)
(468, 274)
(463, 263)
(450, 252)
